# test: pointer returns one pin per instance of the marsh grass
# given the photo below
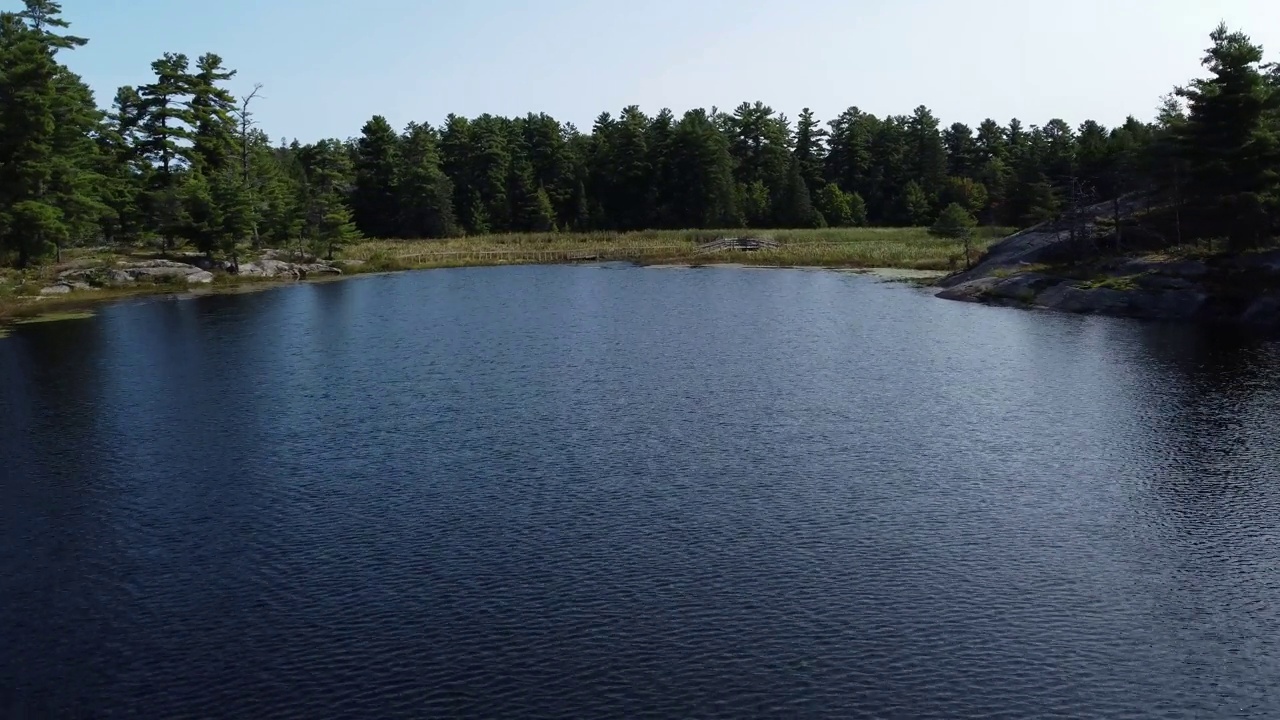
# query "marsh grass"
(905, 248)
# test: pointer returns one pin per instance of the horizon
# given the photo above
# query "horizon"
(421, 61)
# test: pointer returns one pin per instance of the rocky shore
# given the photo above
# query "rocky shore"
(1029, 270)
(195, 271)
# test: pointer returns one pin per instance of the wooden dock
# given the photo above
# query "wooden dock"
(738, 244)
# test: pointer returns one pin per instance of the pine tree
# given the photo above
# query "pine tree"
(165, 127)
(962, 151)
(991, 142)
(955, 223)
(374, 201)
(531, 209)
(327, 218)
(660, 142)
(424, 193)
(212, 109)
(849, 159)
(489, 168)
(34, 154)
(1230, 141)
(810, 151)
(760, 146)
(282, 205)
(793, 206)
(43, 16)
(927, 164)
(124, 169)
(703, 169)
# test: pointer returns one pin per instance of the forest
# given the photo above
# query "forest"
(179, 161)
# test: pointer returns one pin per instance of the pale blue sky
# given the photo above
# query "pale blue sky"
(328, 65)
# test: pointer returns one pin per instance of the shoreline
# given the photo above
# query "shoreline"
(81, 304)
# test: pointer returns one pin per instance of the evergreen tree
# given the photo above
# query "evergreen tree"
(1093, 158)
(165, 128)
(793, 207)
(327, 178)
(124, 169)
(1230, 141)
(703, 168)
(660, 143)
(45, 17)
(759, 144)
(953, 222)
(211, 108)
(489, 169)
(48, 160)
(455, 160)
(927, 164)
(956, 223)
(425, 193)
(810, 152)
(531, 209)
(962, 151)
(374, 201)
(991, 142)
(848, 162)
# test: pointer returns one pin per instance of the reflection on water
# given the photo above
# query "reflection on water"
(610, 491)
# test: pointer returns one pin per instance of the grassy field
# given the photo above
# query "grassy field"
(900, 248)
(905, 248)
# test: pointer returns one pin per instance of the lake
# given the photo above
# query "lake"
(622, 492)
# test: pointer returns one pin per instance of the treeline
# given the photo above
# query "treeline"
(180, 160)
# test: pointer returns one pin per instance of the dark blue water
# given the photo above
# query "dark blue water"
(618, 492)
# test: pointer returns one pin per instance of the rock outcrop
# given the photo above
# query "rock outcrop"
(1241, 289)
(269, 267)
(167, 270)
(1040, 268)
(197, 272)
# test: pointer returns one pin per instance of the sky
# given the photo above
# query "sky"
(327, 66)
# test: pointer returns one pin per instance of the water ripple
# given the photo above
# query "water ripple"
(612, 492)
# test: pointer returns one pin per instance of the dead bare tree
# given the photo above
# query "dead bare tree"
(246, 165)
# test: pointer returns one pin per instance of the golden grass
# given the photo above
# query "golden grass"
(905, 248)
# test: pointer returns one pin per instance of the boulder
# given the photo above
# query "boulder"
(268, 268)
(971, 291)
(59, 289)
(1022, 289)
(154, 270)
(271, 268)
